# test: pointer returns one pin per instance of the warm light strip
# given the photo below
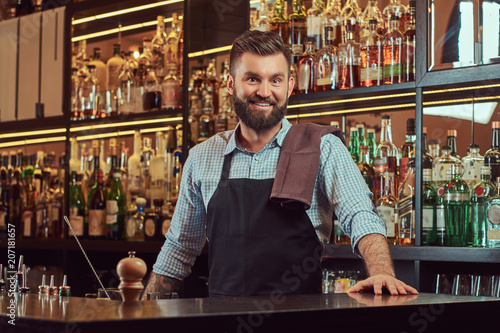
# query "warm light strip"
(154, 130)
(462, 100)
(349, 100)
(124, 124)
(344, 111)
(116, 30)
(124, 11)
(32, 133)
(32, 141)
(462, 89)
(210, 51)
(104, 135)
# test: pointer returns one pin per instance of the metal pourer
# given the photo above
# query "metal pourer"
(24, 288)
(65, 290)
(43, 289)
(53, 290)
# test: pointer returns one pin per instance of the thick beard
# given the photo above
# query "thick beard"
(259, 121)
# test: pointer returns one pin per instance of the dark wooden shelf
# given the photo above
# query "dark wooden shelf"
(33, 125)
(425, 253)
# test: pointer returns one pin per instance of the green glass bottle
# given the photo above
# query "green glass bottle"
(493, 213)
(456, 208)
(480, 195)
(429, 212)
(76, 207)
(354, 144)
(372, 143)
(116, 208)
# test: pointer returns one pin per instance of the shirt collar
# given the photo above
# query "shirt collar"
(278, 138)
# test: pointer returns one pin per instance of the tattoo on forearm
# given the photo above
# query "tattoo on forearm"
(162, 284)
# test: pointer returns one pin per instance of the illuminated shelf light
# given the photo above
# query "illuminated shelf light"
(486, 86)
(349, 100)
(32, 141)
(344, 111)
(210, 51)
(32, 133)
(120, 133)
(124, 11)
(125, 124)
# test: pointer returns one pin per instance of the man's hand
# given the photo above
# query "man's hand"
(160, 284)
(380, 281)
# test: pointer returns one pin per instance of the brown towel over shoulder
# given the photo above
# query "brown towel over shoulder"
(298, 165)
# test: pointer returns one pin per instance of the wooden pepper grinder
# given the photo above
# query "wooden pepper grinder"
(131, 271)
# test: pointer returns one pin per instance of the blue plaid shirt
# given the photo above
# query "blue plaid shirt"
(339, 186)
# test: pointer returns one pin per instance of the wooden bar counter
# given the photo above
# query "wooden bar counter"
(286, 313)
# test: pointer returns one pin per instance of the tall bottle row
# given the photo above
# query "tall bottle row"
(113, 194)
(148, 79)
(461, 196)
(343, 47)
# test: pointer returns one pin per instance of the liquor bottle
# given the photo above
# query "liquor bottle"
(57, 203)
(84, 169)
(409, 42)
(408, 148)
(307, 67)
(372, 144)
(393, 62)
(153, 222)
(112, 165)
(232, 117)
(361, 135)
(492, 155)
(152, 95)
(493, 223)
(207, 128)
(116, 207)
(371, 56)
(386, 205)
(100, 69)
(147, 154)
(177, 168)
(451, 141)
(127, 90)
(37, 173)
(354, 144)
(211, 84)
(279, 23)
(74, 161)
(331, 22)
(123, 169)
(195, 111)
(371, 12)
(441, 165)
(349, 60)
(157, 169)
(456, 208)
(394, 8)
(364, 166)
(171, 89)
(351, 14)
(472, 164)
(76, 105)
(16, 189)
(223, 94)
(220, 122)
(144, 62)
(298, 27)
(91, 95)
(427, 159)
(481, 193)
(262, 21)
(28, 220)
(113, 68)
(5, 213)
(42, 209)
(432, 232)
(134, 167)
(96, 166)
(134, 228)
(76, 207)
(385, 163)
(158, 44)
(97, 209)
(327, 74)
(314, 23)
(406, 206)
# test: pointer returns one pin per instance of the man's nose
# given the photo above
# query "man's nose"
(264, 90)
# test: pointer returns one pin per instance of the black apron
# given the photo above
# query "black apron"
(257, 247)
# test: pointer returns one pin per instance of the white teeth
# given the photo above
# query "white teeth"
(263, 104)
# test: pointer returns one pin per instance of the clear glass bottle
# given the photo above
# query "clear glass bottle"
(174, 42)
(427, 159)
(134, 168)
(406, 206)
(262, 21)
(331, 22)
(153, 222)
(314, 23)
(57, 202)
(372, 53)
(116, 208)
(456, 208)
(364, 166)
(480, 195)
(351, 15)
(492, 155)
(126, 92)
(386, 205)
(393, 45)
(91, 95)
(451, 141)
(408, 148)
(28, 219)
(298, 27)
(207, 128)
(42, 209)
(76, 101)
(279, 22)
(472, 164)
(113, 68)
(394, 8)
(100, 69)
(409, 42)
(354, 144)
(195, 112)
(171, 89)
(349, 60)
(144, 61)
(220, 122)
(307, 65)
(371, 12)
(157, 169)
(152, 95)
(211, 84)
(147, 155)
(493, 223)
(385, 162)
(158, 44)
(327, 74)
(441, 165)
(134, 228)
(432, 232)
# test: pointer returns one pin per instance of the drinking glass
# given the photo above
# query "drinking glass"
(463, 284)
(444, 284)
(483, 285)
(115, 294)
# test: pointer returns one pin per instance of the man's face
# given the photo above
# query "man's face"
(260, 89)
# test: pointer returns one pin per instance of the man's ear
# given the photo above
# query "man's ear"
(291, 83)
(230, 84)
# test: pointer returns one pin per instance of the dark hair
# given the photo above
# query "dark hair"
(260, 43)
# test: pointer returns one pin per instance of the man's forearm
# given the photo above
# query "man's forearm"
(162, 284)
(375, 252)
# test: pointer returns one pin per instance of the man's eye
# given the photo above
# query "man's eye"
(252, 79)
(277, 81)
